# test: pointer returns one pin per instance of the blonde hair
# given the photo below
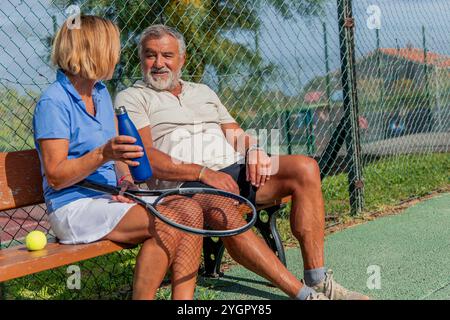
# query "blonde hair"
(91, 51)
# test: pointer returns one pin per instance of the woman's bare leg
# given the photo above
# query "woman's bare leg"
(156, 253)
(188, 253)
(185, 267)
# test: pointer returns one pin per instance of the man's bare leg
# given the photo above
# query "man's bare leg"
(247, 248)
(299, 176)
(253, 253)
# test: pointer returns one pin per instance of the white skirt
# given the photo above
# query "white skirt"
(87, 220)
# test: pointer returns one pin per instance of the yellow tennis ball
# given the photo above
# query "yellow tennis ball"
(36, 240)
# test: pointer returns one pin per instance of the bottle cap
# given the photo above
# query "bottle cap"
(121, 110)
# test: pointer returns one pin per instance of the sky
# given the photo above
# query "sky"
(296, 46)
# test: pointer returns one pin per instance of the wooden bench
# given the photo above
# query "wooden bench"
(21, 186)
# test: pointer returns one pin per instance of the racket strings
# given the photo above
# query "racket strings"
(222, 213)
(181, 210)
(217, 212)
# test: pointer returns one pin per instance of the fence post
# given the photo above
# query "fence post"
(380, 74)
(327, 64)
(310, 139)
(2, 284)
(348, 71)
(425, 67)
(287, 129)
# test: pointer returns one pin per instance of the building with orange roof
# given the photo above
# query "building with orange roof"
(418, 56)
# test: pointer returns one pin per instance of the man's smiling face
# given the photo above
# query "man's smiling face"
(162, 62)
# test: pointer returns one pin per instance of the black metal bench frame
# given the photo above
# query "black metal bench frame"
(213, 248)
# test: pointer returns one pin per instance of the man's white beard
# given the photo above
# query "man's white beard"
(163, 84)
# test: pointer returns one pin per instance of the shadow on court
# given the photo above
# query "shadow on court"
(405, 256)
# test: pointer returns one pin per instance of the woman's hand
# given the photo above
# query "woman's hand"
(121, 148)
(124, 186)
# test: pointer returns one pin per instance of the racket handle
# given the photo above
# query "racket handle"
(98, 187)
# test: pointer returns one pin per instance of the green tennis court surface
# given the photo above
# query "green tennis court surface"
(411, 250)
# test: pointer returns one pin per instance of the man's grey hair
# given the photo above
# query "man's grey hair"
(159, 30)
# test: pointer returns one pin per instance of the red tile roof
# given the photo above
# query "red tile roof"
(416, 55)
(313, 96)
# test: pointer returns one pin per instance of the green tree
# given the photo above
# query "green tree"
(16, 113)
(202, 22)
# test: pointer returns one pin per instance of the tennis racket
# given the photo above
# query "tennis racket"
(224, 213)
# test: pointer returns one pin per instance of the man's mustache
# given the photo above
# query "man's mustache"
(163, 69)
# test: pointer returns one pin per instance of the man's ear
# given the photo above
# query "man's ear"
(183, 59)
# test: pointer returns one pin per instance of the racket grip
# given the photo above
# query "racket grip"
(98, 187)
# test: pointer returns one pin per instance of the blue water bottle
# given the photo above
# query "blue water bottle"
(143, 171)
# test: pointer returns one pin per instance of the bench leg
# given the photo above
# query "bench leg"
(213, 250)
(2, 291)
(269, 232)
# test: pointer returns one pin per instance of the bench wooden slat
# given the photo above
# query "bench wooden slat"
(262, 206)
(18, 261)
(20, 179)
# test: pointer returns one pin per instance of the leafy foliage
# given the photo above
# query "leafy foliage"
(202, 22)
(16, 112)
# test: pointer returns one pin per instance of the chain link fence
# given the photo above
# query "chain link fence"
(361, 86)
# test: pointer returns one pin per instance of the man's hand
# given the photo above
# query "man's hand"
(219, 180)
(259, 167)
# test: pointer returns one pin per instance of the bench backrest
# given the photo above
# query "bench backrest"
(20, 179)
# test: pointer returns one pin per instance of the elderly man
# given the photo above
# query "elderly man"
(192, 140)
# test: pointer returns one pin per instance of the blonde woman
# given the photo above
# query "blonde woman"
(76, 138)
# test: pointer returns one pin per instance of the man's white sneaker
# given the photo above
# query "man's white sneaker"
(317, 296)
(334, 291)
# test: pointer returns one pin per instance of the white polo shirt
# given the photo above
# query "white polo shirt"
(186, 127)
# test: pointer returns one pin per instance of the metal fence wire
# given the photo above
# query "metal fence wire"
(361, 86)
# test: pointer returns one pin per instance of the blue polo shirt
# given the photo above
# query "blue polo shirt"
(61, 114)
